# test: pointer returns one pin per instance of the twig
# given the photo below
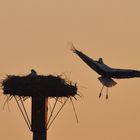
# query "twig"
(25, 112)
(74, 110)
(22, 113)
(52, 111)
(57, 113)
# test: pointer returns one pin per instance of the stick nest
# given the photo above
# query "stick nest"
(48, 86)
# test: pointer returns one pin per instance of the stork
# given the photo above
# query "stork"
(33, 73)
(107, 73)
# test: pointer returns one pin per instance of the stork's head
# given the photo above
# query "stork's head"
(100, 60)
(33, 71)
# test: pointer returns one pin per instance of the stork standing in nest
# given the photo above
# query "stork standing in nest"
(107, 73)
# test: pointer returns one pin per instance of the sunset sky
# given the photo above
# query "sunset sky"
(34, 34)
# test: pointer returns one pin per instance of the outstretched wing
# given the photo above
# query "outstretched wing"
(90, 62)
(105, 70)
(123, 73)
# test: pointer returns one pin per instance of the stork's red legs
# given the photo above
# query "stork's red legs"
(107, 93)
(101, 92)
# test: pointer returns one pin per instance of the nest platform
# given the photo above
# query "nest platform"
(48, 86)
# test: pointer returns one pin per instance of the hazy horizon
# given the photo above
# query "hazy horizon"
(34, 34)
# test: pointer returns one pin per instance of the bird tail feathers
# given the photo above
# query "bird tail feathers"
(108, 82)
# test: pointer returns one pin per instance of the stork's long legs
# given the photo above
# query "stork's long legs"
(101, 91)
(107, 93)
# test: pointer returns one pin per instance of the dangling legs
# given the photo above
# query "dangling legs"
(107, 93)
(101, 92)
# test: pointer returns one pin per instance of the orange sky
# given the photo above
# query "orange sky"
(34, 34)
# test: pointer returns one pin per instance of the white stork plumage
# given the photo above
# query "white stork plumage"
(106, 72)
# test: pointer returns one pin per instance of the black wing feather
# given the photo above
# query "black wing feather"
(122, 73)
(104, 70)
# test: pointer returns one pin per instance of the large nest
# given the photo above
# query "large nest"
(48, 86)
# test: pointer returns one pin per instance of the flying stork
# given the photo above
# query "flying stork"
(107, 73)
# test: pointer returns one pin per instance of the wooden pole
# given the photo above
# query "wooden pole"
(39, 115)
